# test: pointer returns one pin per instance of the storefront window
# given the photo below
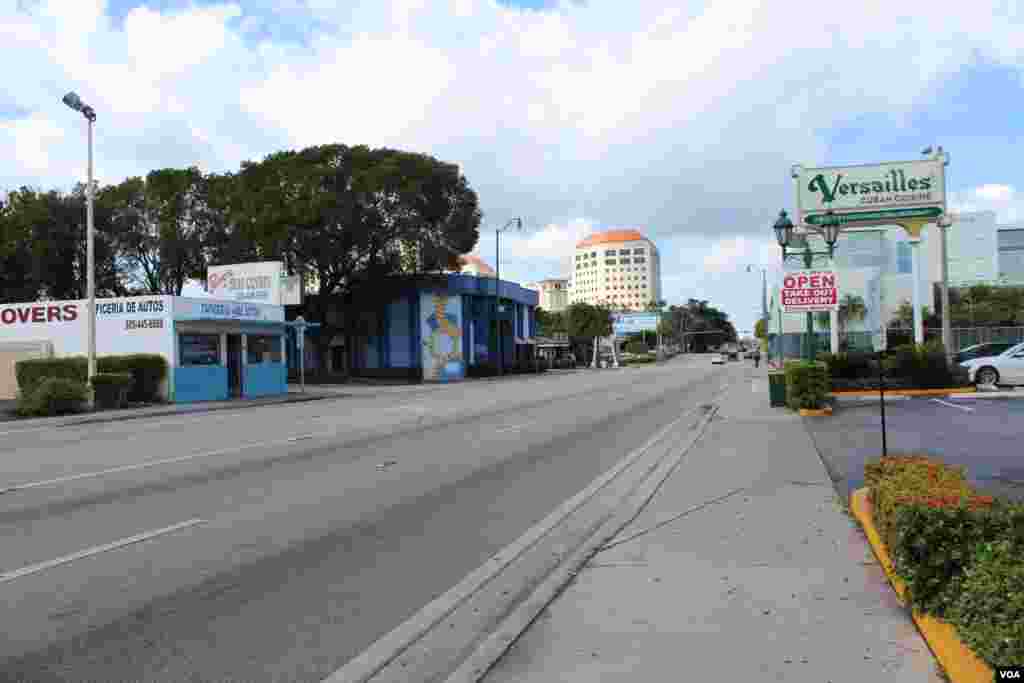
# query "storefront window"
(263, 349)
(199, 349)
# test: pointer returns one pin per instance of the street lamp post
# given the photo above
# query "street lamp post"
(944, 223)
(784, 235)
(764, 300)
(518, 223)
(73, 101)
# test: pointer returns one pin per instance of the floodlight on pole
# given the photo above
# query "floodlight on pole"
(75, 102)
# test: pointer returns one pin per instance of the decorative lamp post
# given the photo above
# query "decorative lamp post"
(785, 235)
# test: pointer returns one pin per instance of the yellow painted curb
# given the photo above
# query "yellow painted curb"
(905, 392)
(960, 663)
(810, 412)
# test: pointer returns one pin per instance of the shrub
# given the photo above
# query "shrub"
(908, 482)
(642, 360)
(636, 346)
(111, 389)
(934, 541)
(925, 365)
(147, 371)
(31, 372)
(807, 385)
(53, 396)
(988, 613)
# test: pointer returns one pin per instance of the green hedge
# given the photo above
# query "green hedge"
(53, 396)
(989, 610)
(958, 552)
(850, 365)
(147, 371)
(111, 389)
(807, 385)
(637, 347)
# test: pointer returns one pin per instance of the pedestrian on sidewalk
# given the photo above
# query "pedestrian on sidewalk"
(757, 357)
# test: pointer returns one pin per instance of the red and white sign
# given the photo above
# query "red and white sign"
(810, 290)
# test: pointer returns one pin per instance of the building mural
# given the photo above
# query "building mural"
(441, 330)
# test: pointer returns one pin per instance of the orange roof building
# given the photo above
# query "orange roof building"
(621, 268)
(474, 265)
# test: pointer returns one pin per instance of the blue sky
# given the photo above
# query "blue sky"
(678, 119)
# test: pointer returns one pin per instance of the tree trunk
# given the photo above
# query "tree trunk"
(615, 353)
(597, 346)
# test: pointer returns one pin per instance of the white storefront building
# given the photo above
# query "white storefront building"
(215, 348)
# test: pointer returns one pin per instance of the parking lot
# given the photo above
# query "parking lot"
(984, 435)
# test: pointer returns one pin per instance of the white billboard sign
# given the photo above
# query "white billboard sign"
(899, 187)
(810, 291)
(262, 283)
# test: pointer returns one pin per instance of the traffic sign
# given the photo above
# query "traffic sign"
(880, 215)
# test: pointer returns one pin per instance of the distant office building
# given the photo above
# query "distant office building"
(553, 293)
(618, 267)
(1011, 254)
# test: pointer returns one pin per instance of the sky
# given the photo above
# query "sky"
(681, 120)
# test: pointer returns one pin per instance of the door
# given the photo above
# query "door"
(234, 365)
(1011, 368)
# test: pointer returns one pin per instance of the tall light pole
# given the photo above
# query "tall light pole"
(944, 224)
(75, 102)
(764, 299)
(518, 223)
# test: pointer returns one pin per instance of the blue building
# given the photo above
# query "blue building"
(419, 327)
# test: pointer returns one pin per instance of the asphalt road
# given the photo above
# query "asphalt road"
(982, 435)
(276, 543)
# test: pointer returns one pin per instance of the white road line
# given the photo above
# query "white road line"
(953, 405)
(513, 428)
(96, 550)
(150, 463)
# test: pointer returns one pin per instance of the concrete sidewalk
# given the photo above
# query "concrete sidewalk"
(13, 423)
(743, 567)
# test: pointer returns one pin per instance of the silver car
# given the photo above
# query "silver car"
(1005, 368)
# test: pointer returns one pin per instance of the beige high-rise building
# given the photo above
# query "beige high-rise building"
(553, 293)
(619, 267)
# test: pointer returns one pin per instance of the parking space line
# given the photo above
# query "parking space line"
(953, 405)
(96, 550)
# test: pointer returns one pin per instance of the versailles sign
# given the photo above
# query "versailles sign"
(875, 193)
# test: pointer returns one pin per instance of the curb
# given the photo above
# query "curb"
(36, 423)
(960, 663)
(517, 616)
(903, 392)
(811, 412)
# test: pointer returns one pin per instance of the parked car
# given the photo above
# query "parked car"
(981, 351)
(718, 359)
(1005, 368)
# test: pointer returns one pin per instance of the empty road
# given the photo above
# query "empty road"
(276, 543)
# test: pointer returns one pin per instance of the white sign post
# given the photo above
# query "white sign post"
(809, 291)
(300, 330)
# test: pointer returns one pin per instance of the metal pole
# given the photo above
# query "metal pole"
(808, 261)
(947, 324)
(302, 357)
(881, 400)
(497, 300)
(764, 312)
(90, 264)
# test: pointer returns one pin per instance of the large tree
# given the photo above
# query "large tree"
(161, 223)
(48, 255)
(587, 324)
(347, 215)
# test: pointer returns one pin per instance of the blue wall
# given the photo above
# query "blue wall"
(400, 342)
(200, 383)
(264, 379)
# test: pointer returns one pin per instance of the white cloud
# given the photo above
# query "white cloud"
(1004, 200)
(681, 121)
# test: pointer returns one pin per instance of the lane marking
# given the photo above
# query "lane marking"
(96, 550)
(513, 428)
(953, 405)
(152, 463)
